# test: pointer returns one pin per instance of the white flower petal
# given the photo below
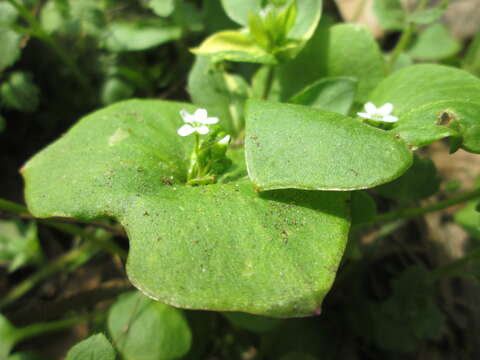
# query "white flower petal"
(390, 118)
(186, 130)
(188, 118)
(370, 108)
(385, 109)
(210, 120)
(201, 115)
(364, 115)
(202, 130)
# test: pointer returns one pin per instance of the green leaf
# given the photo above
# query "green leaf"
(293, 146)
(222, 93)
(471, 61)
(234, 46)
(217, 247)
(10, 41)
(96, 347)
(390, 14)
(116, 89)
(434, 43)
(8, 336)
(136, 36)
(428, 16)
(257, 324)
(419, 182)
(238, 10)
(19, 245)
(332, 94)
(433, 102)
(145, 329)
(8, 13)
(343, 50)
(162, 7)
(19, 92)
(469, 219)
(307, 17)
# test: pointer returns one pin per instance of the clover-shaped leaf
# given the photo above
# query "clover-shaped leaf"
(433, 102)
(217, 247)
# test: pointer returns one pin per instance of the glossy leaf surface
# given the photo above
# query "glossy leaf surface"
(293, 146)
(217, 247)
(433, 102)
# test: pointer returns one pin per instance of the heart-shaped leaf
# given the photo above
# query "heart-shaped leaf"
(433, 102)
(294, 146)
(217, 247)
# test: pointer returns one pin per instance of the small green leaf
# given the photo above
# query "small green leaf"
(293, 146)
(10, 41)
(419, 182)
(471, 61)
(257, 324)
(433, 102)
(116, 89)
(162, 7)
(390, 14)
(343, 50)
(96, 347)
(469, 219)
(222, 93)
(145, 329)
(434, 43)
(308, 13)
(234, 46)
(428, 16)
(332, 94)
(137, 36)
(238, 10)
(8, 336)
(19, 245)
(19, 92)
(8, 13)
(219, 247)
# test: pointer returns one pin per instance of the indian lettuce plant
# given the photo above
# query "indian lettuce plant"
(243, 199)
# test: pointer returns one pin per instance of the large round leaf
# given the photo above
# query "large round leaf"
(433, 102)
(218, 247)
(295, 146)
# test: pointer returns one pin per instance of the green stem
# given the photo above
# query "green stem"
(68, 228)
(73, 259)
(268, 82)
(38, 31)
(405, 39)
(409, 213)
(50, 326)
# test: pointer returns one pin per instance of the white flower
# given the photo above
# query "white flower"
(380, 114)
(196, 122)
(225, 140)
